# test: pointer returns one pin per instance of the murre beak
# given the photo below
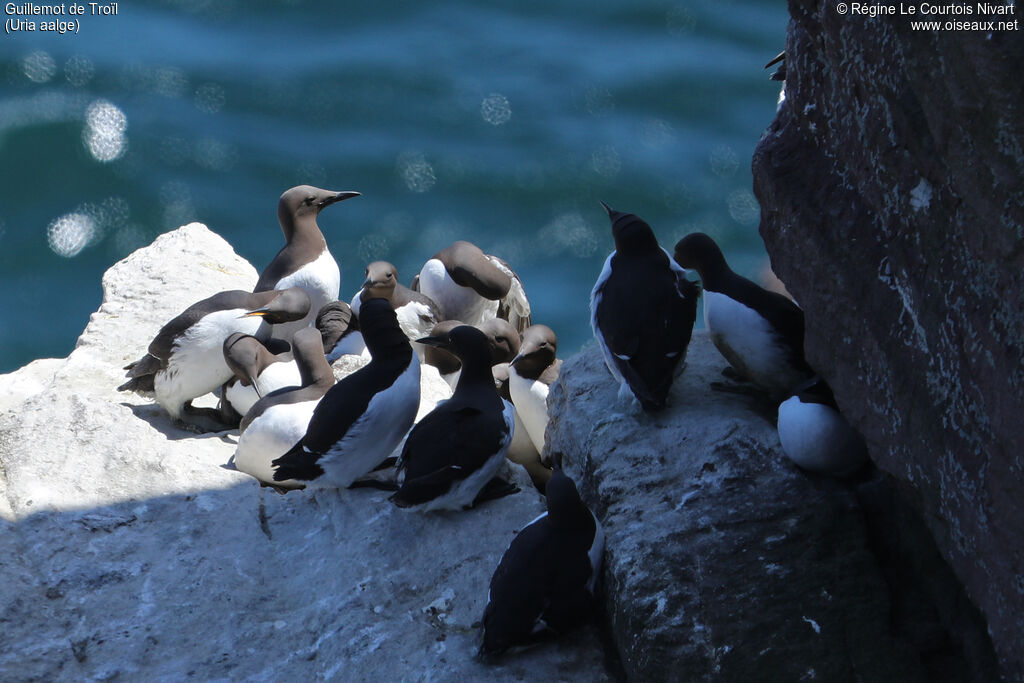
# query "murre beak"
(607, 208)
(339, 197)
(440, 341)
(258, 313)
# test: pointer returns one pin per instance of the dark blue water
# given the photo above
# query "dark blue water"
(499, 122)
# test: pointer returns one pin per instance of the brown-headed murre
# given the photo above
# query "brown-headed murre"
(472, 286)
(257, 369)
(451, 457)
(339, 330)
(417, 313)
(760, 333)
(815, 435)
(278, 420)
(642, 312)
(502, 338)
(531, 373)
(304, 261)
(186, 359)
(365, 416)
(546, 580)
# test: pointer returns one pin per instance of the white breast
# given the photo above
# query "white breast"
(817, 438)
(322, 281)
(455, 301)
(388, 417)
(275, 376)
(749, 343)
(197, 366)
(530, 399)
(270, 436)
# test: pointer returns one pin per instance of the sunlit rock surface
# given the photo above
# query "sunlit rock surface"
(892, 187)
(128, 551)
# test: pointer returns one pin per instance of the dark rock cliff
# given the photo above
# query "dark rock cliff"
(892, 192)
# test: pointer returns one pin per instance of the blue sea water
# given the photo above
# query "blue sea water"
(499, 122)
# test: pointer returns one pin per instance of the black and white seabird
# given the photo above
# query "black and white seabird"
(278, 420)
(642, 312)
(546, 580)
(502, 338)
(304, 261)
(365, 416)
(760, 333)
(339, 330)
(472, 286)
(186, 359)
(815, 435)
(417, 313)
(257, 371)
(455, 451)
(531, 373)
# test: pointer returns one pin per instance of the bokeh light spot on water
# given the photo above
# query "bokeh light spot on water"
(38, 66)
(568, 232)
(105, 126)
(656, 133)
(176, 203)
(495, 109)
(214, 155)
(170, 81)
(70, 233)
(78, 71)
(743, 207)
(680, 21)
(372, 247)
(605, 161)
(599, 101)
(416, 172)
(724, 161)
(210, 98)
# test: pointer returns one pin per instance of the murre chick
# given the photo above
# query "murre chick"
(451, 457)
(365, 416)
(472, 286)
(642, 312)
(257, 370)
(304, 261)
(815, 435)
(531, 373)
(546, 580)
(760, 333)
(278, 420)
(186, 359)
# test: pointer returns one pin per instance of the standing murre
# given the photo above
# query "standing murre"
(815, 435)
(278, 420)
(760, 333)
(546, 580)
(472, 286)
(642, 312)
(365, 416)
(186, 359)
(417, 313)
(304, 261)
(257, 370)
(531, 373)
(452, 456)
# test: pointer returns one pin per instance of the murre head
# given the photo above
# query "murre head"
(381, 278)
(245, 355)
(540, 345)
(445, 361)
(503, 339)
(700, 252)
(565, 508)
(334, 321)
(379, 325)
(466, 342)
(286, 305)
(632, 235)
(301, 205)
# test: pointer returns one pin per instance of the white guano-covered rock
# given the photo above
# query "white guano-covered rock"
(129, 551)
